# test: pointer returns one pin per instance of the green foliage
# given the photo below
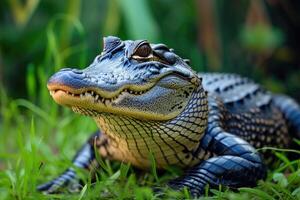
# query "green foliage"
(261, 38)
(139, 21)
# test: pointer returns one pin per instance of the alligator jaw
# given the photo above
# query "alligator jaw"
(68, 96)
(65, 96)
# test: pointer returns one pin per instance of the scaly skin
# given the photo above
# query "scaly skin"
(146, 99)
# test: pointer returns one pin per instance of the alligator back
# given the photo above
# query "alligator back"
(248, 109)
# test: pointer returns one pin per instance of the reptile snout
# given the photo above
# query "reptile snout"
(69, 78)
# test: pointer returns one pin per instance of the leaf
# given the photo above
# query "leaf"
(257, 193)
(142, 193)
(114, 177)
(285, 160)
(112, 21)
(153, 166)
(22, 13)
(296, 192)
(124, 169)
(82, 192)
(140, 23)
(281, 179)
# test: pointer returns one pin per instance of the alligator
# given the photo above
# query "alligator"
(146, 100)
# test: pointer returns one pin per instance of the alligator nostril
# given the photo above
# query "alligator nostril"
(66, 69)
(77, 75)
(69, 78)
(77, 71)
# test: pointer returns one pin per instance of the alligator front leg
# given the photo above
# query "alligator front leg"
(236, 165)
(83, 159)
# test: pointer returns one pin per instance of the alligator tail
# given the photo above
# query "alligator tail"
(291, 111)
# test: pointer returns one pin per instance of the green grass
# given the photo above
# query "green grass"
(38, 142)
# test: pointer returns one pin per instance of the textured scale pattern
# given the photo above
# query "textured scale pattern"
(147, 100)
(249, 111)
(133, 140)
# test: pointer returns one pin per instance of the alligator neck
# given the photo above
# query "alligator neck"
(171, 142)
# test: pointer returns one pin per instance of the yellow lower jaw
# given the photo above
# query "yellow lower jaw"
(88, 102)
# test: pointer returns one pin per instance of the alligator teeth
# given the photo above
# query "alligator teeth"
(98, 98)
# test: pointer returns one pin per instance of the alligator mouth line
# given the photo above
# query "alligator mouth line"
(97, 97)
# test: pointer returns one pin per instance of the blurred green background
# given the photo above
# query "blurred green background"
(259, 39)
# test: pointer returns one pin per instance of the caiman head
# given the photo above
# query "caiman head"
(132, 78)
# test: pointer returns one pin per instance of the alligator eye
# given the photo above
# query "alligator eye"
(143, 51)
